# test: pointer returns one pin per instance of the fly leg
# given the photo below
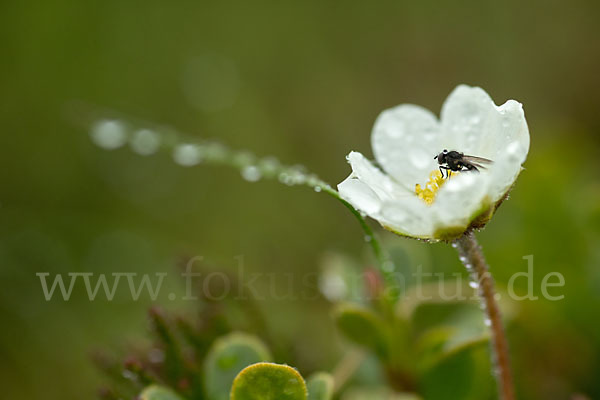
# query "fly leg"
(448, 169)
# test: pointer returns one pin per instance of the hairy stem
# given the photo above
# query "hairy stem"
(115, 132)
(471, 256)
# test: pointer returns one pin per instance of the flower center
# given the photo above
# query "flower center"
(435, 182)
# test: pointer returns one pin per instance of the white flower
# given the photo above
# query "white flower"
(405, 140)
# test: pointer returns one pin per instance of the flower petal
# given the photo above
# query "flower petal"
(474, 125)
(408, 216)
(384, 187)
(404, 141)
(506, 170)
(470, 119)
(513, 128)
(460, 200)
(360, 195)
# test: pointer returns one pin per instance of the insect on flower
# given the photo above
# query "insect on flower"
(405, 190)
(456, 161)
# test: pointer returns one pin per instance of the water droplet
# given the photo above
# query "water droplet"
(454, 244)
(269, 165)
(314, 180)
(109, 134)
(251, 173)
(368, 238)
(419, 159)
(317, 189)
(145, 142)
(187, 155)
(286, 178)
(474, 284)
(397, 130)
(487, 322)
(243, 159)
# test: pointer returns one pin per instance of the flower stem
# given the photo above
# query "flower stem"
(472, 257)
(251, 167)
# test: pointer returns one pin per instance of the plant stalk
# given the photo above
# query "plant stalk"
(471, 255)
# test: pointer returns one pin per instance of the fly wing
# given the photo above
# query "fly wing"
(477, 162)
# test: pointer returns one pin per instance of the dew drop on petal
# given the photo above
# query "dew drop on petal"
(513, 148)
(397, 130)
(251, 173)
(145, 142)
(187, 155)
(109, 134)
(419, 159)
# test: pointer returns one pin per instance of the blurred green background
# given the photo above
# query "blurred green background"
(303, 81)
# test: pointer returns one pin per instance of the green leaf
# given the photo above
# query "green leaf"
(320, 386)
(363, 327)
(376, 393)
(226, 358)
(268, 381)
(156, 392)
(459, 375)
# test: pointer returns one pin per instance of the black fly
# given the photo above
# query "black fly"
(455, 161)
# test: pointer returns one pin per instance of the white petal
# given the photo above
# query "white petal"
(470, 119)
(513, 128)
(408, 216)
(506, 170)
(360, 195)
(405, 139)
(459, 199)
(474, 125)
(385, 187)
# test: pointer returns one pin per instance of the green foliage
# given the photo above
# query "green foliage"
(226, 358)
(458, 374)
(268, 381)
(155, 392)
(363, 327)
(320, 386)
(377, 393)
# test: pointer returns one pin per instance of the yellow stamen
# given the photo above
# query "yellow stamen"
(435, 182)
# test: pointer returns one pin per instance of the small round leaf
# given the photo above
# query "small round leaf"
(268, 381)
(226, 358)
(320, 386)
(156, 392)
